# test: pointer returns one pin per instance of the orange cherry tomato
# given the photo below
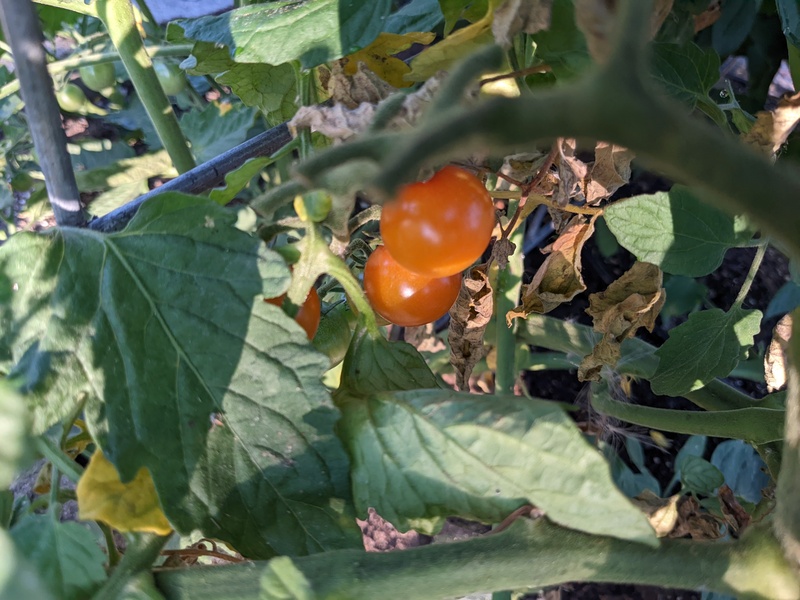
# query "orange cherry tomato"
(405, 298)
(308, 315)
(441, 226)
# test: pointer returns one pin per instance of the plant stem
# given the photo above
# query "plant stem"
(751, 275)
(75, 62)
(528, 554)
(111, 546)
(117, 15)
(51, 452)
(139, 556)
(55, 485)
(506, 297)
(754, 425)
(336, 268)
(23, 32)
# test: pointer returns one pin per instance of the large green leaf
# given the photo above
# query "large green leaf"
(18, 579)
(66, 555)
(14, 438)
(709, 345)
(731, 29)
(425, 453)
(187, 372)
(675, 231)
(216, 128)
(311, 31)
(789, 12)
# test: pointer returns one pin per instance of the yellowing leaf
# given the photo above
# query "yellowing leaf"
(131, 506)
(661, 512)
(378, 57)
(632, 301)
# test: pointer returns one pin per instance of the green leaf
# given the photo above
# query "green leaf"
(674, 230)
(694, 446)
(744, 471)
(237, 180)
(374, 364)
(417, 15)
(117, 196)
(786, 299)
(87, 155)
(126, 171)
(282, 580)
(311, 31)
(163, 326)
(14, 438)
(731, 29)
(700, 476)
(684, 294)
(66, 556)
(428, 453)
(709, 345)
(789, 13)
(216, 128)
(454, 10)
(18, 578)
(563, 46)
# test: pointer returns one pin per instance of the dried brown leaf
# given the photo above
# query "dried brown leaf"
(502, 249)
(514, 16)
(772, 128)
(572, 173)
(524, 165)
(736, 516)
(775, 359)
(708, 17)
(661, 512)
(632, 301)
(610, 171)
(423, 338)
(597, 20)
(352, 87)
(469, 317)
(558, 279)
(694, 523)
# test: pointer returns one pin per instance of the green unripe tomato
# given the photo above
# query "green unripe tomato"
(98, 77)
(334, 333)
(170, 77)
(313, 206)
(71, 98)
(21, 181)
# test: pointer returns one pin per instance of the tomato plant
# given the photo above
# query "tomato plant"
(308, 315)
(171, 78)
(406, 298)
(71, 98)
(440, 226)
(98, 77)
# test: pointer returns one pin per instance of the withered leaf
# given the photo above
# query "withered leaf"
(736, 516)
(694, 523)
(353, 86)
(502, 249)
(661, 512)
(775, 359)
(379, 57)
(514, 16)
(558, 279)
(469, 317)
(772, 128)
(610, 171)
(572, 172)
(423, 338)
(632, 301)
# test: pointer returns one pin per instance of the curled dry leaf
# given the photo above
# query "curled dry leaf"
(502, 249)
(632, 301)
(736, 516)
(597, 20)
(339, 123)
(469, 317)
(558, 279)
(695, 523)
(354, 86)
(661, 512)
(515, 16)
(423, 338)
(772, 128)
(610, 171)
(775, 359)
(572, 173)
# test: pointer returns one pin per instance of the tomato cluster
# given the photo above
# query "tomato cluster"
(431, 232)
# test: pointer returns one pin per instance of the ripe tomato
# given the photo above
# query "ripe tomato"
(405, 298)
(441, 226)
(309, 313)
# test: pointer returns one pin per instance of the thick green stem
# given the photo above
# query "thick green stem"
(754, 425)
(139, 556)
(529, 554)
(117, 15)
(509, 281)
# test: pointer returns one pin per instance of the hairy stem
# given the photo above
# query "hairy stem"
(509, 281)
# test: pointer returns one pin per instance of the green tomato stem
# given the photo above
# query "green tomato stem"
(751, 275)
(117, 15)
(509, 281)
(530, 554)
(58, 459)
